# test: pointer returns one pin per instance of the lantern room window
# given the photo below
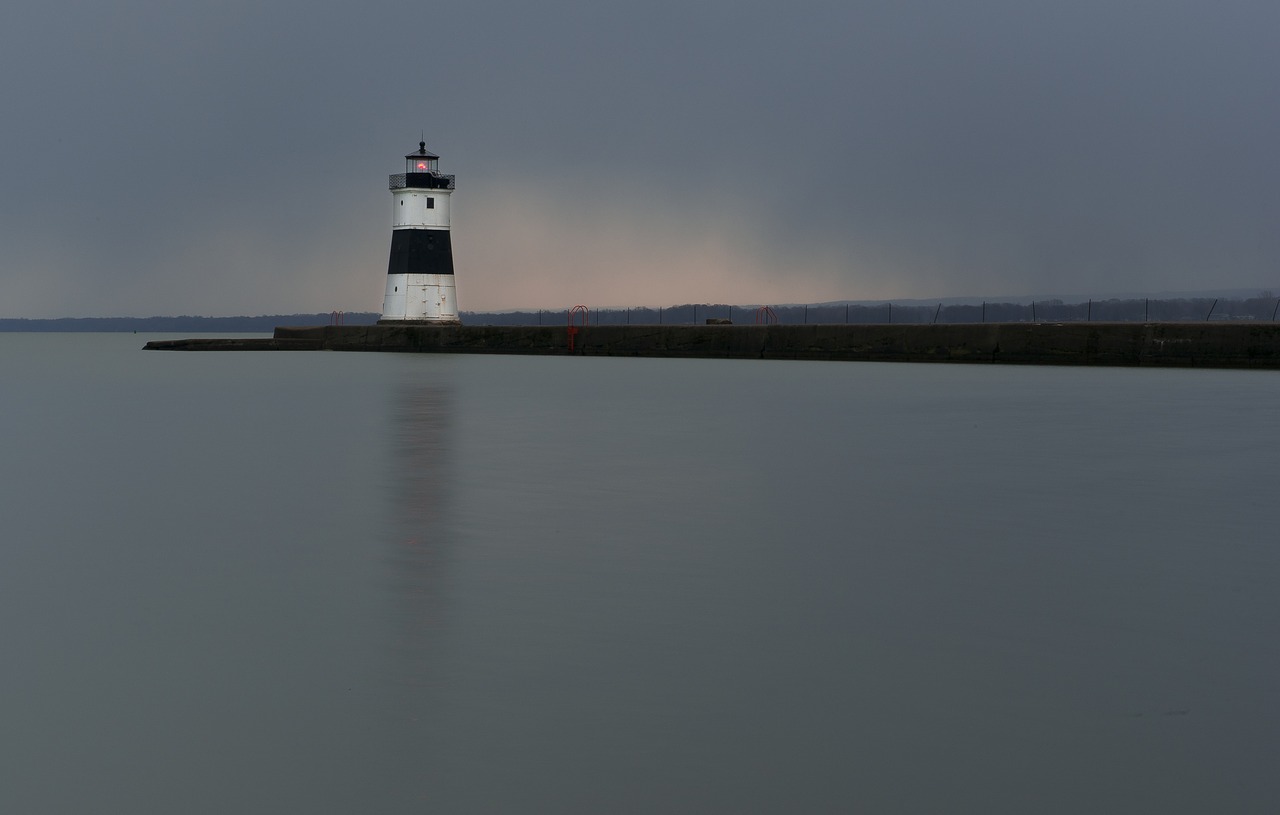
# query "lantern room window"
(423, 161)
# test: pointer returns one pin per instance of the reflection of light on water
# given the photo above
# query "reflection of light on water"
(419, 492)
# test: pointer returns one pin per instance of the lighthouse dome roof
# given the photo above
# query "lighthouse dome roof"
(421, 152)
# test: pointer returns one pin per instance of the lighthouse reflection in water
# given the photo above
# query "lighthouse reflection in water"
(419, 492)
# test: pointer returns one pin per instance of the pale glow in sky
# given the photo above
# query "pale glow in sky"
(231, 158)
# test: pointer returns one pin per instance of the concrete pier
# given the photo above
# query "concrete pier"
(1195, 345)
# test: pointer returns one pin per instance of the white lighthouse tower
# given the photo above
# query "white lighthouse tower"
(420, 273)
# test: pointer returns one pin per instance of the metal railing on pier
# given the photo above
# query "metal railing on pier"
(1263, 308)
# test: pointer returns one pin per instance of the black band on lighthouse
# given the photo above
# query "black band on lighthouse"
(420, 251)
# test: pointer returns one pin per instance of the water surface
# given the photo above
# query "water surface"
(325, 582)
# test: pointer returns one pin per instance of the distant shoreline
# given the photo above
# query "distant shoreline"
(1263, 308)
(158, 325)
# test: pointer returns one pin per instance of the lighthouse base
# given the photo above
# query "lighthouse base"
(420, 298)
(418, 322)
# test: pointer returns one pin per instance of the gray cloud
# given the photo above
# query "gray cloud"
(228, 158)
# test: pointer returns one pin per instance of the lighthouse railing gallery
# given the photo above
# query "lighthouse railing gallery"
(428, 181)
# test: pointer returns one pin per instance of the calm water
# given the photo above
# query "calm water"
(335, 583)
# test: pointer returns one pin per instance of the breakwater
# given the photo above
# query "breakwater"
(1201, 345)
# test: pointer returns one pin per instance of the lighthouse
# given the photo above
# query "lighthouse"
(420, 272)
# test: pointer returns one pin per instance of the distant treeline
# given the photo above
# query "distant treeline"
(1263, 307)
(211, 325)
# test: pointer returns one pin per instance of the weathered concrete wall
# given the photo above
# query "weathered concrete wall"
(1221, 345)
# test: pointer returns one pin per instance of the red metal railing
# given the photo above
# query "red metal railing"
(573, 313)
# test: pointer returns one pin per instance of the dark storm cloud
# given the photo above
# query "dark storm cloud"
(228, 158)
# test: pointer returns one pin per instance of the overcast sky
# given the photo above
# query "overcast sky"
(231, 157)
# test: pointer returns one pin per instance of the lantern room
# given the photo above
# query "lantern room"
(422, 161)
